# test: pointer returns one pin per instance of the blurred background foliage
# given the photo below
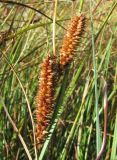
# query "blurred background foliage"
(25, 39)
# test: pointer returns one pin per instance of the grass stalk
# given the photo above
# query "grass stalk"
(98, 141)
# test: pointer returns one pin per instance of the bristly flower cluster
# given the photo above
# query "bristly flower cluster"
(49, 74)
(71, 39)
(44, 99)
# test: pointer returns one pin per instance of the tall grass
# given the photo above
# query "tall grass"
(29, 30)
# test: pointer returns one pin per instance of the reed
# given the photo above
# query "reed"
(44, 98)
(71, 40)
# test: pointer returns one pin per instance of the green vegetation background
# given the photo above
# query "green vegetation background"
(26, 37)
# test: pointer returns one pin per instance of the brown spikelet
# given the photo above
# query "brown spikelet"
(71, 39)
(44, 99)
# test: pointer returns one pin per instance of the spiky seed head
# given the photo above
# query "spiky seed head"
(71, 39)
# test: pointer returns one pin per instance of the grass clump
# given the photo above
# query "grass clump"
(76, 127)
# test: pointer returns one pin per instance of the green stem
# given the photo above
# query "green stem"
(98, 142)
(81, 5)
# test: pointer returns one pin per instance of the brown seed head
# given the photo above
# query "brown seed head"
(44, 99)
(71, 39)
